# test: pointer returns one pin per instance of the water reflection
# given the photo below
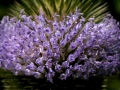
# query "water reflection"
(10, 82)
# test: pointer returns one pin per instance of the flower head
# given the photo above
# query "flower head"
(70, 47)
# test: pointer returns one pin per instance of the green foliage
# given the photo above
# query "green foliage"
(112, 82)
(90, 8)
(8, 80)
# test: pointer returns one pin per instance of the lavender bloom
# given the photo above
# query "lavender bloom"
(71, 47)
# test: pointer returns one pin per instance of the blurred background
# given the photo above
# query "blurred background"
(4, 5)
(111, 83)
(114, 7)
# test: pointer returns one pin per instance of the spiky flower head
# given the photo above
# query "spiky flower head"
(71, 46)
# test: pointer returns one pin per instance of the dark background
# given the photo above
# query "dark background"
(4, 5)
(112, 82)
(114, 7)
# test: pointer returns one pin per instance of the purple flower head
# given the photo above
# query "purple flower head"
(70, 47)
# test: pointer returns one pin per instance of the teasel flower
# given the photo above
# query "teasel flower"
(48, 40)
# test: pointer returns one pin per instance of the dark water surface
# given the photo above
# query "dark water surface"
(10, 82)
